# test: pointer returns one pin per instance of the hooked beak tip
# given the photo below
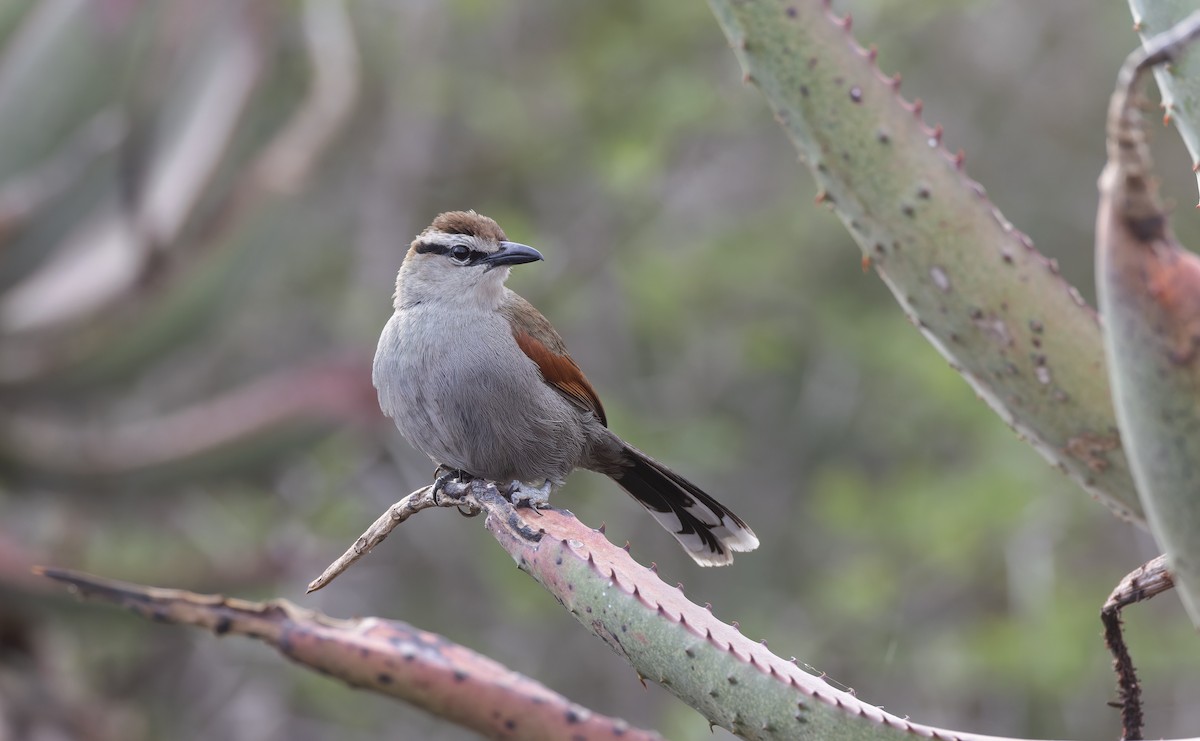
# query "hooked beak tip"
(512, 253)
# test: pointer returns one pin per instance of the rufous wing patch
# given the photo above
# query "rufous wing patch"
(561, 372)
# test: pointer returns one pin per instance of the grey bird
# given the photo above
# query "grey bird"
(478, 380)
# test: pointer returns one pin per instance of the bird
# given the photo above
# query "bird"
(479, 380)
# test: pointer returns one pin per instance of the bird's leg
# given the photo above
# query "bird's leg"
(523, 494)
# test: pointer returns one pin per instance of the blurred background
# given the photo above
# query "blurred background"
(202, 209)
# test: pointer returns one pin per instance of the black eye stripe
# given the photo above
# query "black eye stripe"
(427, 248)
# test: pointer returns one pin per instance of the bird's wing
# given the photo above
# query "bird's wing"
(542, 344)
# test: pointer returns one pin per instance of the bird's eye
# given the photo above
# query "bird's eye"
(460, 252)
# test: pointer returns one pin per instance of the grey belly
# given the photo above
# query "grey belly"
(499, 421)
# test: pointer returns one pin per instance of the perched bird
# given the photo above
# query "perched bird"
(478, 380)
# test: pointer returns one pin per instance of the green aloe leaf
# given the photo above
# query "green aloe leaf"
(980, 293)
(1179, 82)
(1149, 288)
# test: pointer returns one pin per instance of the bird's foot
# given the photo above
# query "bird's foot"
(451, 482)
(527, 495)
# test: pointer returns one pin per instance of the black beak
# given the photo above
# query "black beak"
(511, 253)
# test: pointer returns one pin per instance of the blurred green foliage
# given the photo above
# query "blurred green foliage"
(912, 547)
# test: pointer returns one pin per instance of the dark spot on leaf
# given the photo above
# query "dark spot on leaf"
(856, 94)
(384, 678)
(1147, 228)
(223, 625)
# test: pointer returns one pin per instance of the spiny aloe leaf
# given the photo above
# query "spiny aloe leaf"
(735, 682)
(975, 286)
(1179, 82)
(1149, 289)
(386, 656)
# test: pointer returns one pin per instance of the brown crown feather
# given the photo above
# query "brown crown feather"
(468, 223)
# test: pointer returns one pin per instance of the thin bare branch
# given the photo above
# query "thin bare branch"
(379, 530)
(453, 495)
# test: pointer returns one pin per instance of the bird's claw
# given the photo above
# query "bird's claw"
(456, 484)
(469, 510)
(451, 481)
(527, 495)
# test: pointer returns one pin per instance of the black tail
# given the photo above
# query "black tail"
(706, 529)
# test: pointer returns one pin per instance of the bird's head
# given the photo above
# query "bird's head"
(461, 256)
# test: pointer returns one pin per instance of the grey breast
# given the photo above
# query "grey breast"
(462, 392)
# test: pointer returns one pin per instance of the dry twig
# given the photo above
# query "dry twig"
(1144, 582)
(453, 494)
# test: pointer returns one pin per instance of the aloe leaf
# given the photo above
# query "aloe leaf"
(1179, 82)
(1149, 288)
(976, 287)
